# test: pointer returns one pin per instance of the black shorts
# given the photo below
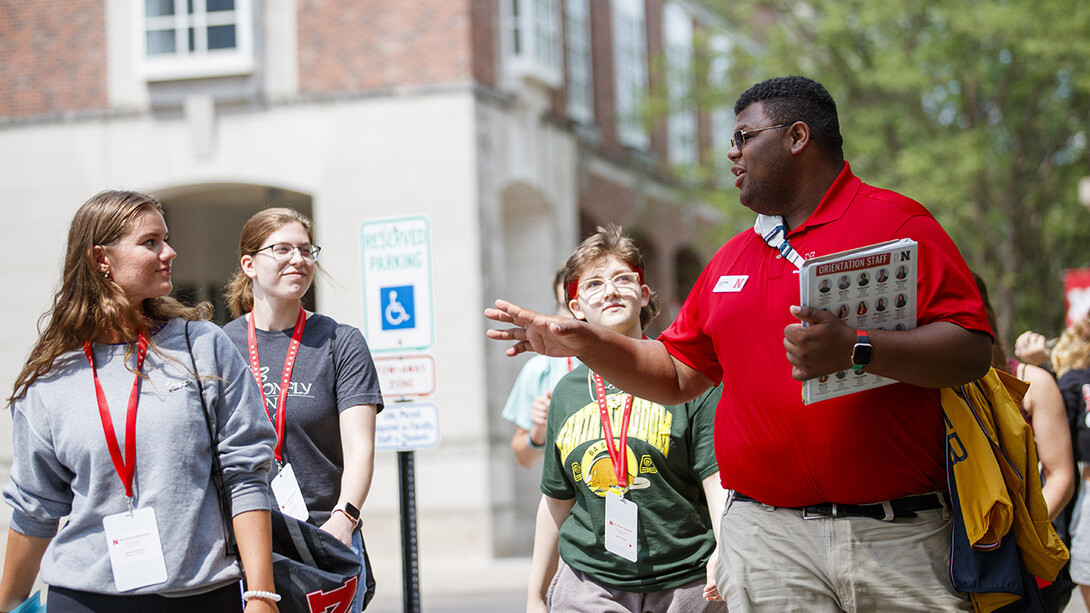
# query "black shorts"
(61, 600)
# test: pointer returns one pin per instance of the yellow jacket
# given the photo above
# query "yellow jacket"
(995, 468)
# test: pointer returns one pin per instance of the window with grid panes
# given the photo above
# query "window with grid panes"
(531, 40)
(630, 70)
(681, 123)
(580, 76)
(195, 38)
(722, 116)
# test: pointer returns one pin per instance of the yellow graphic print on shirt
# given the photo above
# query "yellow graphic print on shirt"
(598, 472)
(649, 422)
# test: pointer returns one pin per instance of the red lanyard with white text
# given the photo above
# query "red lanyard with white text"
(126, 467)
(285, 379)
(618, 454)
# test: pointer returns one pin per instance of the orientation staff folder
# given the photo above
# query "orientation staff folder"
(872, 287)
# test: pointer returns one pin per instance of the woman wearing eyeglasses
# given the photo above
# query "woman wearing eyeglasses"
(110, 434)
(631, 495)
(320, 385)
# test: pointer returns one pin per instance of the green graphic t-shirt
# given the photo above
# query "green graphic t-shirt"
(670, 451)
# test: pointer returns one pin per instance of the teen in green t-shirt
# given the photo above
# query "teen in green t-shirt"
(652, 539)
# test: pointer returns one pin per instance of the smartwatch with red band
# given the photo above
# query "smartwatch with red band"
(862, 351)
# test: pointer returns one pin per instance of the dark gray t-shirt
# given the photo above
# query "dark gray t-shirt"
(332, 372)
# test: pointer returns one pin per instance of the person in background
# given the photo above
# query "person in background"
(320, 385)
(528, 403)
(607, 450)
(1043, 408)
(109, 431)
(845, 500)
(1071, 363)
(1033, 348)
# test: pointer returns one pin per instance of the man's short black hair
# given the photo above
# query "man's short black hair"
(795, 98)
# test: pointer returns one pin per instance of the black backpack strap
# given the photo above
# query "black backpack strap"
(217, 468)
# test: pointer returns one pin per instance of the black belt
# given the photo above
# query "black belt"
(900, 508)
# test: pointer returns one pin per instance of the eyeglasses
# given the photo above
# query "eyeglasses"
(282, 252)
(741, 136)
(624, 283)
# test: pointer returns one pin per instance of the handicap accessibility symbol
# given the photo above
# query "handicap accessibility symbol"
(398, 308)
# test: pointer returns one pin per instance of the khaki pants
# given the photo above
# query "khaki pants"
(573, 592)
(771, 559)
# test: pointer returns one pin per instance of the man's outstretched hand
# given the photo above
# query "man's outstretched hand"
(533, 331)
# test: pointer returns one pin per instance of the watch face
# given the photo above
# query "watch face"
(861, 354)
(352, 511)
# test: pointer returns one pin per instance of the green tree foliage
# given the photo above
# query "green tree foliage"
(976, 108)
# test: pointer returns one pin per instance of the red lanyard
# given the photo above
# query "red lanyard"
(126, 467)
(285, 379)
(618, 454)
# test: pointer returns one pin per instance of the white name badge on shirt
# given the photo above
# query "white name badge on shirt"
(288, 495)
(730, 284)
(136, 553)
(620, 526)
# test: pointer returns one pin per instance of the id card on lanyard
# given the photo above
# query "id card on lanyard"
(621, 516)
(132, 537)
(285, 487)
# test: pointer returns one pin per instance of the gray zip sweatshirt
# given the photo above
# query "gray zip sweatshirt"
(62, 466)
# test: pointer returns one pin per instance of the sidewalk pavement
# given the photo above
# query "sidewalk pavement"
(1075, 605)
(451, 585)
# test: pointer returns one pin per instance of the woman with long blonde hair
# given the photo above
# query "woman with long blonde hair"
(1071, 362)
(110, 430)
(1072, 350)
(320, 385)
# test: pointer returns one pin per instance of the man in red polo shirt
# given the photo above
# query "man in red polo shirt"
(838, 505)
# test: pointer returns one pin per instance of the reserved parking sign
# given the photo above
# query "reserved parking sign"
(397, 283)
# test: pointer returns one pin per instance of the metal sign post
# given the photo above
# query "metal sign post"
(398, 311)
(410, 568)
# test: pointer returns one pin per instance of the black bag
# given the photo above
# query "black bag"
(313, 571)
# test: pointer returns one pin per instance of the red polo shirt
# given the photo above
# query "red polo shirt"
(864, 447)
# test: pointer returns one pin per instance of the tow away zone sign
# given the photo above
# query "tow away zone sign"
(406, 375)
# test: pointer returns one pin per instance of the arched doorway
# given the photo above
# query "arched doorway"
(531, 254)
(527, 256)
(687, 267)
(205, 221)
